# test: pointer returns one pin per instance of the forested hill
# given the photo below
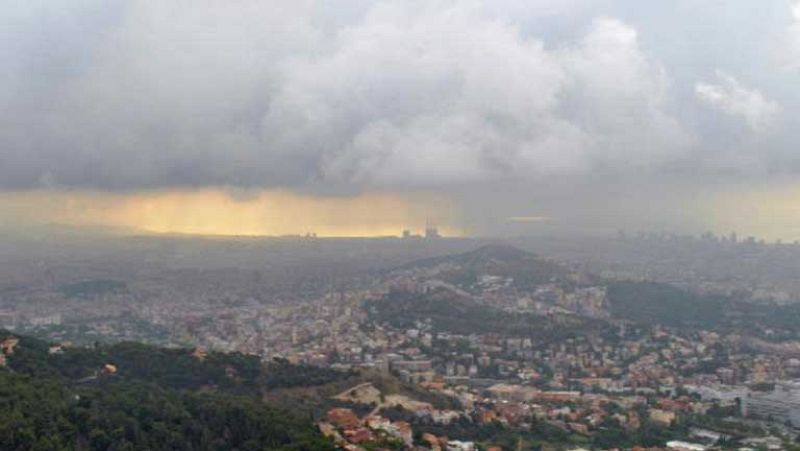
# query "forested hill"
(521, 273)
(135, 397)
(658, 303)
(444, 311)
(527, 270)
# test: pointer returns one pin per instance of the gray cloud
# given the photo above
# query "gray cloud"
(732, 98)
(793, 38)
(369, 94)
(443, 96)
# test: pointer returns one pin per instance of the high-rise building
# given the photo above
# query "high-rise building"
(430, 230)
(782, 404)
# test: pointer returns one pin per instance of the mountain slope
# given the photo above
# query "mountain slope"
(148, 398)
(445, 311)
(526, 270)
(519, 273)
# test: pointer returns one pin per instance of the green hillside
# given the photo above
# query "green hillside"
(445, 311)
(158, 399)
(658, 303)
(526, 269)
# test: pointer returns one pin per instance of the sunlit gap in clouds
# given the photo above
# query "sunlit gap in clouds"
(218, 211)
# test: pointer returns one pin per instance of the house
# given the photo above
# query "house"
(662, 417)
(404, 432)
(359, 435)
(432, 441)
(677, 445)
(199, 353)
(343, 418)
(457, 445)
(9, 344)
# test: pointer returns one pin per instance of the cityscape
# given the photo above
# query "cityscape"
(399, 225)
(540, 351)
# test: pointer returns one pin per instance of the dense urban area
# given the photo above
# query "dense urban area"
(640, 341)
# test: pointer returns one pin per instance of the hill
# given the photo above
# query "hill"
(526, 270)
(649, 302)
(131, 396)
(445, 311)
(471, 305)
(658, 303)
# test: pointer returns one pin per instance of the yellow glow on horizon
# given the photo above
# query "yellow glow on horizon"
(771, 212)
(218, 212)
(528, 218)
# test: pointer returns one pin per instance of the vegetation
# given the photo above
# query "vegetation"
(649, 302)
(543, 433)
(641, 302)
(169, 368)
(445, 311)
(526, 269)
(49, 414)
(158, 399)
(658, 303)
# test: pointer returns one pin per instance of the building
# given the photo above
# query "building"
(662, 417)
(413, 366)
(782, 404)
(719, 393)
(343, 418)
(457, 445)
(677, 445)
(431, 231)
(47, 320)
(8, 345)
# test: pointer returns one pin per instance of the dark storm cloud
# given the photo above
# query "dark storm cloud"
(385, 94)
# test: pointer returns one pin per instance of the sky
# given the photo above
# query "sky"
(363, 117)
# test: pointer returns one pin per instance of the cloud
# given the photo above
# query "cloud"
(793, 46)
(367, 95)
(427, 93)
(732, 98)
(400, 94)
(620, 99)
(509, 107)
(166, 94)
(574, 109)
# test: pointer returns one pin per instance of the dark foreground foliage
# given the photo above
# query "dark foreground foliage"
(166, 402)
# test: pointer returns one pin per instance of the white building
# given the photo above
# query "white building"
(782, 404)
(685, 446)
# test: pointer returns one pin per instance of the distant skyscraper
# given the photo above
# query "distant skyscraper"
(430, 230)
